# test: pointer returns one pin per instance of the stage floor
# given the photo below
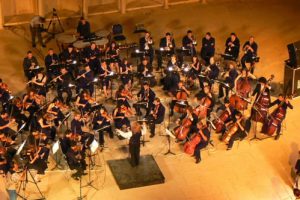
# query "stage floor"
(256, 170)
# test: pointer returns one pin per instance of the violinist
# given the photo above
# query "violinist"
(146, 98)
(208, 47)
(51, 63)
(4, 165)
(76, 160)
(156, 116)
(282, 105)
(83, 102)
(105, 80)
(172, 77)
(250, 49)
(125, 69)
(54, 108)
(85, 80)
(146, 46)
(210, 74)
(239, 130)
(4, 93)
(204, 133)
(120, 115)
(40, 159)
(193, 73)
(228, 84)
(92, 54)
(65, 141)
(63, 86)
(5, 122)
(189, 43)
(38, 83)
(47, 126)
(76, 127)
(123, 95)
(232, 49)
(167, 48)
(177, 94)
(102, 123)
(29, 63)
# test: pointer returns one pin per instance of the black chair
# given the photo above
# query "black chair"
(117, 32)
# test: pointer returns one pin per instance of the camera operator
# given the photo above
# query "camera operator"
(36, 29)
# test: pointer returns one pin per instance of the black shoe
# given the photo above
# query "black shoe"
(277, 137)
(171, 114)
(228, 149)
(33, 45)
(44, 46)
(157, 69)
(152, 135)
(198, 160)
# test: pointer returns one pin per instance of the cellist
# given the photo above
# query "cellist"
(206, 103)
(283, 104)
(204, 133)
(180, 90)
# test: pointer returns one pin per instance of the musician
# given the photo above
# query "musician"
(76, 160)
(144, 68)
(172, 78)
(40, 159)
(51, 63)
(123, 95)
(38, 83)
(156, 116)
(180, 88)
(146, 46)
(5, 123)
(208, 47)
(5, 96)
(31, 103)
(85, 80)
(29, 63)
(83, 29)
(167, 48)
(241, 133)
(102, 123)
(189, 43)
(228, 84)
(92, 55)
(210, 74)
(121, 120)
(76, 127)
(232, 47)
(36, 29)
(125, 69)
(231, 111)
(204, 133)
(146, 98)
(193, 73)
(202, 96)
(113, 53)
(282, 103)
(135, 143)
(83, 102)
(47, 126)
(189, 114)
(105, 80)
(54, 108)
(16, 108)
(69, 57)
(250, 49)
(63, 86)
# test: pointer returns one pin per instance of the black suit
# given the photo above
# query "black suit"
(134, 148)
(249, 56)
(163, 44)
(147, 97)
(207, 49)
(233, 51)
(148, 52)
(157, 117)
(27, 64)
(52, 71)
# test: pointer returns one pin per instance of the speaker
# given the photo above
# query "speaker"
(294, 54)
(292, 80)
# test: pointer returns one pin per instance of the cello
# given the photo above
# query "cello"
(219, 122)
(183, 129)
(201, 110)
(181, 101)
(189, 147)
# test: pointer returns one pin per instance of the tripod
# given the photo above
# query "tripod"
(52, 22)
(23, 183)
(90, 182)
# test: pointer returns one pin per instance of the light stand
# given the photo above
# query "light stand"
(53, 23)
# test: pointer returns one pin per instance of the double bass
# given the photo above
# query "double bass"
(261, 105)
(239, 100)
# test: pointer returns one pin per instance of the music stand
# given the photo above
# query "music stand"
(93, 148)
(169, 135)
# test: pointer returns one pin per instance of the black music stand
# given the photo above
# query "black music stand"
(168, 135)
(90, 182)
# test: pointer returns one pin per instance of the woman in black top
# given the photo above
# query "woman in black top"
(134, 144)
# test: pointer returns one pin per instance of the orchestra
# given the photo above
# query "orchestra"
(77, 83)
